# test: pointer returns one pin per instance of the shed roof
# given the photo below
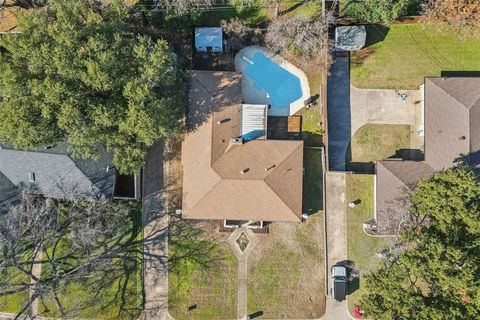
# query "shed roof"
(214, 187)
(350, 38)
(209, 37)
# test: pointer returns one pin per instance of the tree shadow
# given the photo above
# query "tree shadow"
(375, 33)
(353, 276)
(293, 7)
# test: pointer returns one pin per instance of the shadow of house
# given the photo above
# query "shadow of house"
(339, 114)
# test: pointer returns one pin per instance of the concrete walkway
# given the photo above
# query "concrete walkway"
(37, 273)
(336, 225)
(242, 263)
(155, 228)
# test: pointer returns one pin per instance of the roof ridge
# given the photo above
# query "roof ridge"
(454, 98)
(393, 174)
(271, 173)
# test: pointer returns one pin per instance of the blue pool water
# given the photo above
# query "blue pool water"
(280, 86)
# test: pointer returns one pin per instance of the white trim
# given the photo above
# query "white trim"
(236, 226)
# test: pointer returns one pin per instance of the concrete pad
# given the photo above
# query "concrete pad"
(383, 107)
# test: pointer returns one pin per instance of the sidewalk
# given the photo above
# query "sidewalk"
(155, 229)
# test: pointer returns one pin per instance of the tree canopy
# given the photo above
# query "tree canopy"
(303, 36)
(78, 72)
(463, 15)
(437, 276)
(377, 10)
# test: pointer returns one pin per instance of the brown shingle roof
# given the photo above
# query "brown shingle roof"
(452, 120)
(395, 179)
(452, 131)
(270, 188)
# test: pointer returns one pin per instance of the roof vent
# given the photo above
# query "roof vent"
(223, 120)
(31, 176)
(269, 168)
(462, 138)
(237, 140)
(244, 171)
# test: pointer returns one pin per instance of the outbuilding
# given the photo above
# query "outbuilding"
(350, 38)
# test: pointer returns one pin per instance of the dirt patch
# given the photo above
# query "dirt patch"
(360, 56)
(285, 271)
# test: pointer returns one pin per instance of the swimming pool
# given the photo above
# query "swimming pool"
(278, 86)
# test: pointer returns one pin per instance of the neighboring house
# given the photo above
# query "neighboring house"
(53, 173)
(452, 133)
(209, 39)
(232, 171)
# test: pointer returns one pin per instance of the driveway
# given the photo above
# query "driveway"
(339, 114)
(155, 229)
(350, 108)
(336, 225)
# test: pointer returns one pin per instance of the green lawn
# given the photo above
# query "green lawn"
(13, 303)
(285, 271)
(410, 52)
(120, 293)
(312, 181)
(373, 142)
(202, 272)
(361, 248)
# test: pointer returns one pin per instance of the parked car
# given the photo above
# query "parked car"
(339, 278)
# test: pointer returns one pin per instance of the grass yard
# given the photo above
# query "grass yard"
(373, 142)
(13, 303)
(119, 296)
(312, 181)
(400, 58)
(285, 271)
(202, 272)
(361, 248)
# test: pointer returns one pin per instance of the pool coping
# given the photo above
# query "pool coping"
(249, 51)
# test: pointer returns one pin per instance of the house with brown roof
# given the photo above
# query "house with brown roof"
(232, 171)
(452, 134)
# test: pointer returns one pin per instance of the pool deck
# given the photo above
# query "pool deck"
(253, 96)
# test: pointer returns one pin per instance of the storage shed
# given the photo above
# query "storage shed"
(350, 38)
(209, 39)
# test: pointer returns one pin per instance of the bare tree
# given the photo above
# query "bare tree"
(462, 15)
(45, 245)
(182, 7)
(237, 33)
(304, 37)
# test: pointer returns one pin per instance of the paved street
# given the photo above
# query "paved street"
(155, 220)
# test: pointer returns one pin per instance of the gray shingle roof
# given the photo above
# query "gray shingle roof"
(56, 173)
(452, 120)
(395, 179)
